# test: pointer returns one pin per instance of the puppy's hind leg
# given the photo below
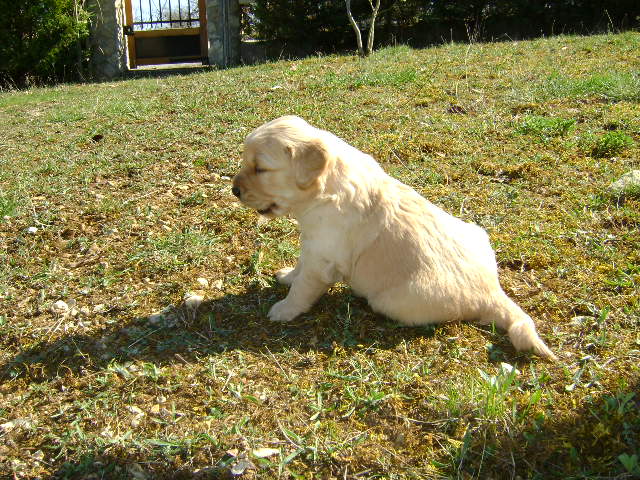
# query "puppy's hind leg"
(519, 326)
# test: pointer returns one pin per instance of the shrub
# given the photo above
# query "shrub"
(546, 127)
(611, 143)
(41, 41)
(305, 22)
(323, 24)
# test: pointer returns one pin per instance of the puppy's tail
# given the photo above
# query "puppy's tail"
(520, 328)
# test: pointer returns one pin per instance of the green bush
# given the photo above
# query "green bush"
(41, 41)
(305, 22)
(546, 127)
(611, 143)
(323, 25)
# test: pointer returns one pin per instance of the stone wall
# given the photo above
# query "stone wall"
(223, 28)
(108, 46)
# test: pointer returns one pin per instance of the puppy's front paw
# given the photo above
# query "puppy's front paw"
(283, 312)
(285, 275)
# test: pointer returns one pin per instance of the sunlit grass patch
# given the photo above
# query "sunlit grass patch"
(370, 79)
(8, 206)
(545, 127)
(170, 251)
(115, 198)
(615, 86)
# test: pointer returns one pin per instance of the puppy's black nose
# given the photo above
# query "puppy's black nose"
(235, 191)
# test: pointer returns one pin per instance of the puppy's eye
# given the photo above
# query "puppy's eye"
(259, 170)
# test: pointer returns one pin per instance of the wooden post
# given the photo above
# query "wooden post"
(204, 37)
(128, 33)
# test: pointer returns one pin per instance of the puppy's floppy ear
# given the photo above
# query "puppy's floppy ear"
(309, 160)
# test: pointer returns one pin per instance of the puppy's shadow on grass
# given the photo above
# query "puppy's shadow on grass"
(231, 322)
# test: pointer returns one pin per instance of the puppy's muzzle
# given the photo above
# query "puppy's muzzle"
(235, 187)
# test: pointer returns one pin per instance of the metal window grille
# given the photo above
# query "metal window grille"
(158, 14)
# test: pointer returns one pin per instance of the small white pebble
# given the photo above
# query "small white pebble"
(265, 452)
(16, 423)
(508, 369)
(581, 320)
(135, 410)
(156, 318)
(192, 301)
(203, 282)
(99, 308)
(60, 308)
(32, 230)
(38, 455)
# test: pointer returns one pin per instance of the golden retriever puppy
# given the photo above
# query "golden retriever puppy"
(410, 259)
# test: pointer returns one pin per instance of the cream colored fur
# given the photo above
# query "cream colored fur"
(412, 261)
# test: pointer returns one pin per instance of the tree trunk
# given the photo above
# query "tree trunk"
(372, 25)
(355, 28)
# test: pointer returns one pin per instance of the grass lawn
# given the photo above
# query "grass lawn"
(115, 199)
